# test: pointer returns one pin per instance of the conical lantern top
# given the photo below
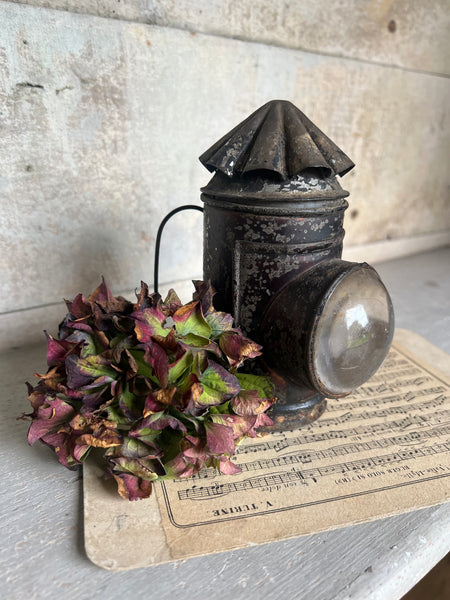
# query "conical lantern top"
(276, 138)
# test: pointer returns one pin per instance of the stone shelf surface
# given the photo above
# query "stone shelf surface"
(42, 554)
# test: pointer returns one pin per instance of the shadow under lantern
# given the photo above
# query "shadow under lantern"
(273, 232)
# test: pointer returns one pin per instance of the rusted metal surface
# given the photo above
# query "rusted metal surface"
(302, 414)
(287, 347)
(273, 210)
(280, 139)
(273, 231)
(249, 255)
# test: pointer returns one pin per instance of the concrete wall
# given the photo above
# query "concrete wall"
(407, 33)
(105, 107)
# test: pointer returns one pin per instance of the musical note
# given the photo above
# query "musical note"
(274, 479)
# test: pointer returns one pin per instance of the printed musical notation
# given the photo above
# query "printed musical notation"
(301, 456)
(391, 433)
(218, 489)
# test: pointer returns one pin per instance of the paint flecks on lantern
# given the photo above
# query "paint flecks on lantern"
(273, 222)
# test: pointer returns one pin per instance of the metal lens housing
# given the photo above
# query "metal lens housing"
(342, 331)
(352, 332)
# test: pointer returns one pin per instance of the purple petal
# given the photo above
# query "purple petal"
(102, 293)
(158, 359)
(83, 371)
(79, 307)
(60, 443)
(156, 422)
(145, 299)
(57, 350)
(204, 292)
(238, 425)
(220, 439)
(149, 322)
(53, 413)
(131, 487)
(238, 348)
(228, 468)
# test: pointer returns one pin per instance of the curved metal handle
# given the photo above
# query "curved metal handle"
(159, 234)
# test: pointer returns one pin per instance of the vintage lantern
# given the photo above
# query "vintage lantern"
(273, 215)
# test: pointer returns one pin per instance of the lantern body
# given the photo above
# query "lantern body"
(273, 232)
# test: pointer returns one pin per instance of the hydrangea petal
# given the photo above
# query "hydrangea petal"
(220, 439)
(218, 385)
(149, 322)
(131, 487)
(204, 292)
(238, 348)
(189, 319)
(227, 467)
(158, 359)
(51, 414)
(238, 425)
(172, 303)
(219, 323)
(83, 371)
(262, 384)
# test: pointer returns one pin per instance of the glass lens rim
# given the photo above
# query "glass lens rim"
(312, 338)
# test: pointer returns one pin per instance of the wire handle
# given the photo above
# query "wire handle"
(158, 238)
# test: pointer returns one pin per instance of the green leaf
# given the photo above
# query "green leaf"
(130, 404)
(219, 322)
(116, 415)
(218, 384)
(189, 319)
(262, 384)
(144, 368)
(149, 322)
(135, 448)
(179, 367)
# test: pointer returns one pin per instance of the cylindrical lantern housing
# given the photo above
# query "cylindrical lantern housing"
(258, 235)
(273, 231)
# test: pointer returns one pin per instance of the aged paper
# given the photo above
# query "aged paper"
(380, 451)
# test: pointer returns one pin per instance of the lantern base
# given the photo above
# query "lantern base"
(295, 407)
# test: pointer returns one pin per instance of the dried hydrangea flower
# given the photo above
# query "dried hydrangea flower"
(154, 384)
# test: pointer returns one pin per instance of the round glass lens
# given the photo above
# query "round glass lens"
(353, 334)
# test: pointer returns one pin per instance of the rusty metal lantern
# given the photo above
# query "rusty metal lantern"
(273, 232)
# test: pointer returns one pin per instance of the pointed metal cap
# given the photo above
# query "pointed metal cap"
(277, 138)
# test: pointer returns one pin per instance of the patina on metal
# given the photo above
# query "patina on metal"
(274, 211)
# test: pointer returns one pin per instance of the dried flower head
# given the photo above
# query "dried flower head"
(154, 384)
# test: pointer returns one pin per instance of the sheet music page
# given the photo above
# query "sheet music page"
(382, 450)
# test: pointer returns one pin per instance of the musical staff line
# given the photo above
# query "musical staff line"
(384, 412)
(338, 434)
(378, 391)
(394, 373)
(275, 479)
(394, 361)
(308, 456)
(339, 406)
